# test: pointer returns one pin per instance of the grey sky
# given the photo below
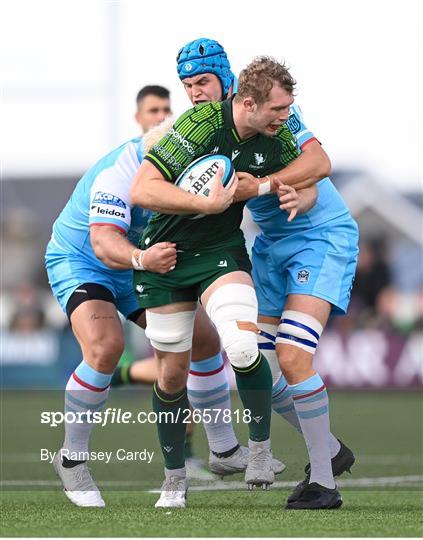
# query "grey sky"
(71, 71)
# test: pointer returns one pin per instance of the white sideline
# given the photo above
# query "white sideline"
(382, 481)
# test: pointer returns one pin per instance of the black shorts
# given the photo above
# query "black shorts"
(94, 291)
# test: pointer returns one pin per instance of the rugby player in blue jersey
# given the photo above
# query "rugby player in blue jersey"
(89, 261)
(302, 270)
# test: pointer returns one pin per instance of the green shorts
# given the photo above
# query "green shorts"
(194, 272)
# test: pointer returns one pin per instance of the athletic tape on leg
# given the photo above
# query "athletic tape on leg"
(300, 330)
(170, 332)
(228, 305)
(266, 344)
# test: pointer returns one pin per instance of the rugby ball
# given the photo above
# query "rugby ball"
(198, 176)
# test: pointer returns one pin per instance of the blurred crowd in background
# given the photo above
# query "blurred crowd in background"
(379, 343)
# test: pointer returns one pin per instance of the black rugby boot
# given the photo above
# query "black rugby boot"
(343, 461)
(316, 497)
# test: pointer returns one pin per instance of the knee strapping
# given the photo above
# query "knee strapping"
(266, 344)
(300, 330)
(233, 310)
(170, 332)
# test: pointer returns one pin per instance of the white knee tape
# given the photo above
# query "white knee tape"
(231, 303)
(266, 344)
(170, 332)
(300, 330)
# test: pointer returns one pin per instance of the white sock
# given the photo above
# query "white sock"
(208, 388)
(175, 472)
(86, 390)
(282, 402)
(312, 407)
(259, 444)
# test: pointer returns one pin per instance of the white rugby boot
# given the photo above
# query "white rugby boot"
(78, 485)
(174, 493)
(259, 470)
(278, 466)
(237, 463)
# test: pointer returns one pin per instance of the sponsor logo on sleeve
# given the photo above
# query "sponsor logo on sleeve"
(167, 157)
(97, 210)
(293, 124)
(182, 143)
(101, 197)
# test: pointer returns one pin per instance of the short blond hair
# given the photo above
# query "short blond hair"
(258, 78)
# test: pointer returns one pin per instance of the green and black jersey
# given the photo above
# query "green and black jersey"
(206, 129)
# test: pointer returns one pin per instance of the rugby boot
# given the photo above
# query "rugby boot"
(237, 462)
(343, 461)
(259, 471)
(174, 493)
(78, 485)
(316, 497)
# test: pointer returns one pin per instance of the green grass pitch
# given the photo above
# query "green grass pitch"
(384, 429)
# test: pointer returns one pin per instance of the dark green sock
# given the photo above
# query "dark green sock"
(171, 427)
(255, 389)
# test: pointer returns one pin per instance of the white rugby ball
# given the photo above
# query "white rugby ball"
(198, 176)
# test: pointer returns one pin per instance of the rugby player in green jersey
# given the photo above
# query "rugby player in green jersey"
(213, 264)
(296, 288)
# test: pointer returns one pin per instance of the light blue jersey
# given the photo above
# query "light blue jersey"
(314, 255)
(101, 197)
(265, 210)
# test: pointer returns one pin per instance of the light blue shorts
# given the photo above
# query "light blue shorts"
(318, 262)
(67, 272)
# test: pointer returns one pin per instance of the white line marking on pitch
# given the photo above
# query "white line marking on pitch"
(384, 481)
(363, 459)
(397, 481)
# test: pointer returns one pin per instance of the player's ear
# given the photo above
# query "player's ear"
(249, 104)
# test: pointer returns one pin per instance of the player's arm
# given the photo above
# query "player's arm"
(110, 220)
(305, 171)
(111, 246)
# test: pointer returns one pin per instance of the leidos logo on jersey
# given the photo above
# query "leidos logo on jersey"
(106, 212)
(102, 197)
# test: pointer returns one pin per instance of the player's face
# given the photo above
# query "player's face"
(268, 117)
(151, 111)
(203, 88)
